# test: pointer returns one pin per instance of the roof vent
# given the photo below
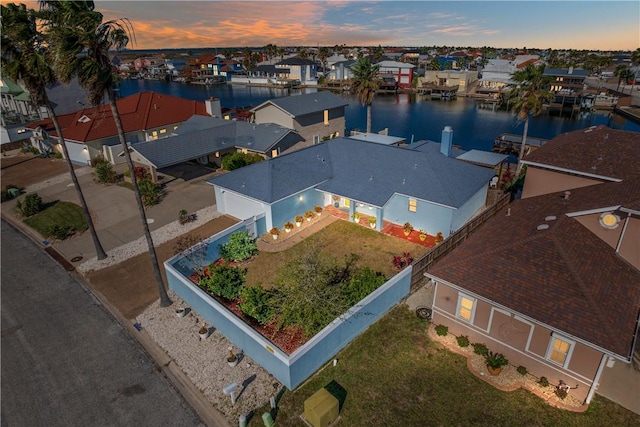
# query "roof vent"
(550, 218)
(542, 227)
(84, 119)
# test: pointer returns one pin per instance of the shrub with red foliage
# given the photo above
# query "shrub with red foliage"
(401, 261)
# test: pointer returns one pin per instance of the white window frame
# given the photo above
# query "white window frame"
(474, 302)
(316, 139)
(413, 205)
(567, 359)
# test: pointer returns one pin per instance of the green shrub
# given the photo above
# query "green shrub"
(362, 283)
(480, 349)
(59, 231)
(463, 341)
(543, 381)
(522, 370)
(57, 155)
(149, 192)
(239, 159)
(495, 360)
(30, 205)
(239, 247)
(442, 330)
(104, 172)
(224, 281)
(256, 303)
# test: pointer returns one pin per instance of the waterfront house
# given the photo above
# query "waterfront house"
(552, 281)
(340, 71)
(427, 186)
(300, 70)
(568, 86)
(401, 72)
(315, 116)
(91, 133)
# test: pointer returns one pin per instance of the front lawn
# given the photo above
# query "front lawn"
(394, 375)
(339, 240)
(59, 214)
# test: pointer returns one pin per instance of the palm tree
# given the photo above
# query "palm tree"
(81, 42)
(527, 95)
(364, 84)
(24, 58)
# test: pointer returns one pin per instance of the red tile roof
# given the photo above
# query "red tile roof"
(564, 276)
(142, 111)
(597, 150)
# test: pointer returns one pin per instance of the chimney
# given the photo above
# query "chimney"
(447, 139)
(213, 107)
(570, 70)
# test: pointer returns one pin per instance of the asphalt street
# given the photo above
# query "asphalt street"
(65, 360)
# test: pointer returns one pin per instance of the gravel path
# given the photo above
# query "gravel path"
(204, 361)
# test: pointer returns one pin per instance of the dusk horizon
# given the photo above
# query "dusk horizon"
(576, 25)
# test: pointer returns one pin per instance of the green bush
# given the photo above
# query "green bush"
(362, 283)
(522, 370)
(30, 205)
(463, 341)
(239, 247)
(149, 192)
(442, 330)
(543, 381)
(224, 281)
(239, 159)
(256, 303)
(59, 231)
(104, 172)
(495, 360)
(481, 349)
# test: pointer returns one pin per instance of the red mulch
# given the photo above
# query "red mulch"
(413, 237)
(287, 339)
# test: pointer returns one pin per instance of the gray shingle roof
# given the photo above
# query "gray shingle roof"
(295, 61)
(300, 105)
(483, 158)
(362, 171)
(205, 135)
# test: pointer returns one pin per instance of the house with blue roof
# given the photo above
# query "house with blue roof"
(315, 116)
(427, 187)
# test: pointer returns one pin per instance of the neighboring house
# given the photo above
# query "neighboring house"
(91, 133)
(303, 70)
(208, 139)
(315, 116)
(552, 282)
(568, 86)
(496, 76)
(340, 70)
(427, 187)
(16, 105)
(463, 80)
(401, 72)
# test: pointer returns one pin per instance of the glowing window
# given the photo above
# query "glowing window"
(163, 131)
(466, 307)
(560, 350)
(326, 117)
(274, 153)
(413, 205)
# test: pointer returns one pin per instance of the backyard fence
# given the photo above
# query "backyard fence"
(422, 265)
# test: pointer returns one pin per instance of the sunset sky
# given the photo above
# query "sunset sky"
(593, 25)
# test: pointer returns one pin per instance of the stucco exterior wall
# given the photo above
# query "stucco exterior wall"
(428, 216)
(471, 207)
(237, 205)
(297, 204)
(308, 128)
(272, 114)
(542, 181)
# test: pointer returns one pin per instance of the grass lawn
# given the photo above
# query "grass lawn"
(59, 213)
(339, 239)
(395, 375)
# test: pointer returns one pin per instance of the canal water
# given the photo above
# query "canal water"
(410, 116)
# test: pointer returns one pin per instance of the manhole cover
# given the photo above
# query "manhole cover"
(76, 258)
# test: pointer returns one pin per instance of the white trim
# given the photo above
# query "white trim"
(571, 171)
(623, 232)
(493, 310)
(572, 344)
(532, 327)
(474, 304)
(596, 379)
(593, 211)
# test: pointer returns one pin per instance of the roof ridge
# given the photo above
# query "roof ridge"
(147, 110)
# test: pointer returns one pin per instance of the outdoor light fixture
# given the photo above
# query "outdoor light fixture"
(300, 198)
(609, 221)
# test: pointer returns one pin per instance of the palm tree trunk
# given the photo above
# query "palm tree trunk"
(165, 301)
(369, 118)
(100, 253)
(523, 143)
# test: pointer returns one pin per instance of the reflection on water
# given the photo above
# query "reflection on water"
(412, 116)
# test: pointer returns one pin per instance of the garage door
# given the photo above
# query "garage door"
(77, 153)
(239, 206)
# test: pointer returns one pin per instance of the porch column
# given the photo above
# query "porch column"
(154, 174)
(378, 219)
